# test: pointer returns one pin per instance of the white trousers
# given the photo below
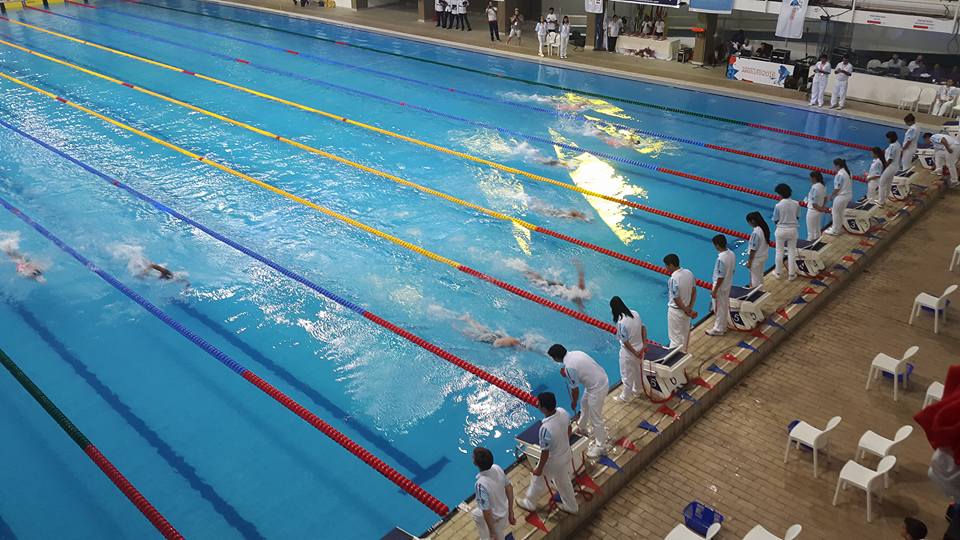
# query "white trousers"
(502, 526)
(630, 374)
(721, 310)
(837, 212)
(942, 157)
(839, 96)
(591, 415)
(756, 271)
(907, 158)
(873, 189)
(786, 239)
(814, 224)
(540, 41)
(560, 475)
(817, 90)
(678, 328)
(564, 42)
(944, 109)
(886, 180)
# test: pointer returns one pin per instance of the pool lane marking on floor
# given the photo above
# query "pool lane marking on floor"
(483, 210)
(361, 453)
(426, 110)
(336, 215)
(508, 77)
(123, 484)
(460, 91)
(352, 306)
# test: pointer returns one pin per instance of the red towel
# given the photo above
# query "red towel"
(941, 421)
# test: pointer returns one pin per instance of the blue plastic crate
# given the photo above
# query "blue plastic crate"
(698, 517)
(790, 428)
(900, 377)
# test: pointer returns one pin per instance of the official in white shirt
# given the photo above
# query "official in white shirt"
(613, 31)
(821, 74)
(946, 153)
(892, 157)
(491, 12)
(786, 215)
(494, 495)
(556, 459)
(579, 368)
(541, 30)
(632, 335)
(660, 28)
(564, 36)
(723, 270)
(816, 206)
(877, 167)
(462, 21)
(841, 196)
(843, 72)
(910, 139)
(681, 298)
(438, 7)
(758, 248)
(551, 19)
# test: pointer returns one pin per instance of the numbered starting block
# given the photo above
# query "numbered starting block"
(952, 128)
(664, 369)
(902, 184)
(809, 261)
(926, 158)
(745, 310)
(861, 216)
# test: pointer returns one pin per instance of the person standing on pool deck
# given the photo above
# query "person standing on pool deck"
(613, 31)
(450, 10)
(759, 248)
(877, 167)
(633, 342)
(579, 368)
(492, 21)
(816, 206)
(551, 19)
(722, 281)
(946, 153)
(494, 495)
(843, 72)
(516, 24)
(438, 7)
(462, 15)
(541, 30)
(786, 214)
(821, 74)
(909, 141)
(842, 193)
(892, 156)
(564, 36)
(556, 459)
(681, 297)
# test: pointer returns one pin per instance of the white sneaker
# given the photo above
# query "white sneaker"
(623, 399)
(594, 451)
(525, 503)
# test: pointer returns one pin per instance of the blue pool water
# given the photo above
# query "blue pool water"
(217, 457)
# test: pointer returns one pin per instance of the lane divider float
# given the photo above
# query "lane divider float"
(106, 466)
(363, 454)
(503, 76)
(511, 389)
(460, 91)
(330, 213)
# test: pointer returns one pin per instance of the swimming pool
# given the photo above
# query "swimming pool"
(223, 461)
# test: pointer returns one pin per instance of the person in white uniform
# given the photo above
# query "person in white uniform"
(758, 248)
(579, 368)
(450, 10)
(541, 30)
(551, 19)
(494, 495)
(843, 72)
(910, 138)
(556, 459)
(821, 74)
(944, 99)
(660, 29)
(438, 7)
(786, 215)
(564, 36)
(632, 335)
(841, 196)
(892, 156)
(877, 167)
(946, 152)
(816, 206)
(646, 28)
(681, 297)
(723, 270)
(462, 21)
(613, 31)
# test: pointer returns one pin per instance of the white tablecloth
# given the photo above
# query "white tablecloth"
(664, 49)
(880, 90)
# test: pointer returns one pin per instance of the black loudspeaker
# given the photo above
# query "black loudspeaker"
(780, 55)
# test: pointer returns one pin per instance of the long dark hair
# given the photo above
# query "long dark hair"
(817, 176)
(842, 163)
(879, 154)
(619, 309)
(756, 219)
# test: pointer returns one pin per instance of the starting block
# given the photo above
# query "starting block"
(745, 311)
(900, 189)
(809, 262)
(926, 158)
(860, 217)
(664, 369)
(528, 444)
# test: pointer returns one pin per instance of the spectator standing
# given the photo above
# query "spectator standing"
(564, 36)
(660, 28)
(646, 27)
(551, 20)
(438, 7)
(494, 495)
(492, 21)
(541, 30)
(462, 19)
(450, 10)
(516, 24)
(613, 31)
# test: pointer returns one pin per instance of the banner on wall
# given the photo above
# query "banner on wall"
(758, 71)
(661, 3)
(712, 6)
(793, 14)
(593, 6)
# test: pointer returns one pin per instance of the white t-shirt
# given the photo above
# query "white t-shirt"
(647, 27)
(841, 68)
(913, 65)
(491, 14)
(911, 136)
(555, 436)
(579, 369)
(630, 330)
(937, 140)
(893, 153)
(491, 491)
(660, 26)
(844, 183)
(564, 29)
(821, 71)
(786, 214)
(876, 169)
(680, 285)
(462, 7)
(551, 21)
(758, 243)
(437, 6)
(943, 92)
(541, 29)
(817, 195)
(723, 268)
(613, 28)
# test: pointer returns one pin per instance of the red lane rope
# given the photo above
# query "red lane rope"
(809, 136)
(797, 164)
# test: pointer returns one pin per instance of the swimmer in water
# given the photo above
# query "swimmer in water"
(577, 294)
(10, 244)
(141, 267)
(165, 274)
(498, 338)
(547, 210)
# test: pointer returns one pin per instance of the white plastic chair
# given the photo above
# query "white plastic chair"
(955, 260)
(934, 393)
(927, 96)
(804, 433)
(759, 533)
(893, 366)
(878, 445)
(681, 532)
(865, 479)
(924, 300)
(910, 98)
(553, 43)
